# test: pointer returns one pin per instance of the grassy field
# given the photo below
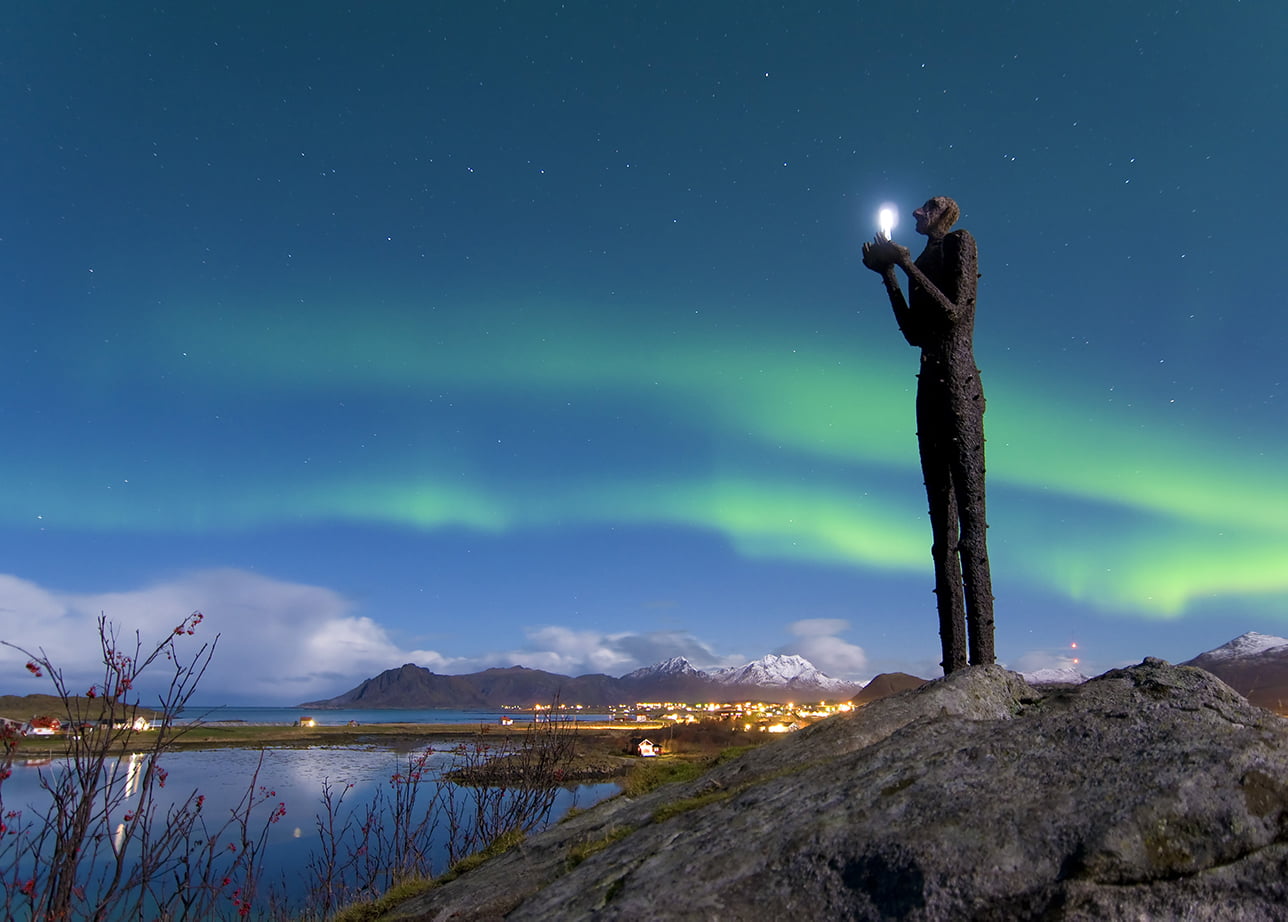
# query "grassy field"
(382, 735)
(22, 707)
(603, 749)
(590, 738)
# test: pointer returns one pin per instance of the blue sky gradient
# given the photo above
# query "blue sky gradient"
(537, 333)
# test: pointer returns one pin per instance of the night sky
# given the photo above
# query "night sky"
(537, 333)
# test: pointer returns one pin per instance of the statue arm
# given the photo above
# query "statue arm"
(881, 256)
(902, 313)
(961, 259)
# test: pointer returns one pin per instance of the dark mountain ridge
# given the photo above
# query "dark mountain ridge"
(778, 678)
(1255, 665)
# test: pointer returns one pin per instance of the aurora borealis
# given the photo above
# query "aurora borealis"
(537, 333)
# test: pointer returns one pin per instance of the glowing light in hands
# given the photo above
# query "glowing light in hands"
(887, 218)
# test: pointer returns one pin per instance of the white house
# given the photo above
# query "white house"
(42, 726)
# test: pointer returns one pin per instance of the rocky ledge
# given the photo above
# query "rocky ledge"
(1154, 792)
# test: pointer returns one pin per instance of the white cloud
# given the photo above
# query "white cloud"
(1035, 660)
(818, 627)
(817, 641)
(563, 650)
(282, 642)
(279, 642)
(578, 652)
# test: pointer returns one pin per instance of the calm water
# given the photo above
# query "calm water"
(296, 776)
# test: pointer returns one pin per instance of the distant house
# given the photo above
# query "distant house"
(43, 726)
(137, 724)
(507, 721)
(306, 722)
(646, 747)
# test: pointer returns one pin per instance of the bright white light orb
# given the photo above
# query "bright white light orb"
(887, 218)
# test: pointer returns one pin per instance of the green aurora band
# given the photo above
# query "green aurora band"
(785, 443)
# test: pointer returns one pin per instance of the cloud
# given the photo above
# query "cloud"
(567, 651)
(577, 652)
(1036, 660)
(278, 641)
(659, 646)
(817, 641)
(818, 627)
(281, 642)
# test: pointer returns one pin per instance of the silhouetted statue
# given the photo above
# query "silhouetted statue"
(939, 318)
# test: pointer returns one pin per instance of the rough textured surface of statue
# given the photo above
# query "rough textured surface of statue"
(938, 317)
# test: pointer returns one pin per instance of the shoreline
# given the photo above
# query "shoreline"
(599, 738)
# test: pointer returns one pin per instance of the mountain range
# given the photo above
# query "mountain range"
(771, 678)
(1255, 665)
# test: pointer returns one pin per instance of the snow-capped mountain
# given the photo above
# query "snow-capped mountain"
(775, 671)
(1055, 675)
(771, 678)
(676, 666)
(1255, 665)
(1249, 644)
(782, 671)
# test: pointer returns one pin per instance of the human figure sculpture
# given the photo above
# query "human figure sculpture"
(938, 317)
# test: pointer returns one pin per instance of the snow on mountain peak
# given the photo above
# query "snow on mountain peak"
(1249, 644)
(782, 670)
(675, 666)
(1055, 675)
(777, 670)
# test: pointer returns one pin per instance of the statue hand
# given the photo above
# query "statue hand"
(879, 254)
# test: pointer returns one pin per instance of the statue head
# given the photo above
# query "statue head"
(937, 216)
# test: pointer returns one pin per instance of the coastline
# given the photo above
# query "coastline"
(601, 746)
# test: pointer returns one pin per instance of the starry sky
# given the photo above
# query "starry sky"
(537, 333)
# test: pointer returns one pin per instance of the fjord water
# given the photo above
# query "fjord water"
(296, 778)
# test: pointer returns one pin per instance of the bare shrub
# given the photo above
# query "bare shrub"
(108, 845)
(105, 847)
(507, 789)
(493, 792)
(364, 852)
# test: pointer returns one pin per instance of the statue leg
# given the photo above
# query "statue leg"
(968, 478)
(948, 575)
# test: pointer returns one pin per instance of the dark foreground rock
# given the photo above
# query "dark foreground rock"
(1154, 792)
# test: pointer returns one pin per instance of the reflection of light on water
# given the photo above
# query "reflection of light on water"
(222, 775)
(133, 772)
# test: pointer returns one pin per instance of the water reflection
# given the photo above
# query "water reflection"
(133, 764)
(294, 777)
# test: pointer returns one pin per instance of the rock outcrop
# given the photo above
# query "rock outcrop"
(1154, 792)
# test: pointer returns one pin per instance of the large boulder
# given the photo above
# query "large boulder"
(1154, 792)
